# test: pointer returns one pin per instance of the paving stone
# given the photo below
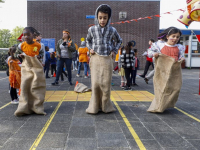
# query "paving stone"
(60, 118)
(53, 140)
(27, 133)
(188, 132)
(102, 116)
(10, 126)
(83, 121)
(140, 131)
(151, 145)
(4, 136)
(171, 139)
(195, 143)
(18, 144)
(81, 144)
(82, 132)
(59, 127)
(111, 140)
(157, 127)
(149, 118)
(107, 126)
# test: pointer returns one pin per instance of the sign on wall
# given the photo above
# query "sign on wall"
(90, 16)
(50, 43)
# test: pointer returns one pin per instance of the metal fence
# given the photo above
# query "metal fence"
(3, 57)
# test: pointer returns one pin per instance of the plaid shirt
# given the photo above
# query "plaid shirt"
(102, 43)
(127, 60)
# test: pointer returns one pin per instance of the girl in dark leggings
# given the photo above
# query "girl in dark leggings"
(127, 61)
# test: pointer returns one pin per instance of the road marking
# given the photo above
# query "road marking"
(5, 105)
(132, 131)
(42, 132)
(187, 114)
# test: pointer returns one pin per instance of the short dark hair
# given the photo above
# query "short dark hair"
(135, 50)
(152, 40)
(104, 9)
(32, 30)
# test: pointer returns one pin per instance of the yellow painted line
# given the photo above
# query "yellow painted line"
(187, 114)
(132, 131)
(42, 132)
(5, 105)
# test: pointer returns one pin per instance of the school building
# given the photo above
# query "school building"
(50, 17)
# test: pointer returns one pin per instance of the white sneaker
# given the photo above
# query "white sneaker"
(15, 101)
(73, 69)
(85, 77)
(76, 69)
(78, 75)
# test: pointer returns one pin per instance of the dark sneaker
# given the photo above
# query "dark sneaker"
(134, 84)
(47, 77)
(70, 83)
(55, 83)
(146, 80)
(127, 89)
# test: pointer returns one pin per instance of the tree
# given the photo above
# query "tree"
(1, 1)
(4, 38)
(16, 32)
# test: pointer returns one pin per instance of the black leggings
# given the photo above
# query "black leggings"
(127, 75)
(53, 68)
(13, 93)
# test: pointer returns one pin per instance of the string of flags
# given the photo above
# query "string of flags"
(141, 18)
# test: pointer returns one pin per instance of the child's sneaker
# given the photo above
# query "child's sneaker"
(127, 89)
(122, 87)
(78, 75)
(14, 101)
(85, 77)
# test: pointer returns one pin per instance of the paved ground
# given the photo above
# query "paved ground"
(67, 127)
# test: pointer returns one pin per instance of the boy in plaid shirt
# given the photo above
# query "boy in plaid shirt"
(100, 43)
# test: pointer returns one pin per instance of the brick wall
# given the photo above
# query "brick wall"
(51, 17)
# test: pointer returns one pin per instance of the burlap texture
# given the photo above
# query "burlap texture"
(33, 87)
(101, 75)
(81, 88)
(167, 83)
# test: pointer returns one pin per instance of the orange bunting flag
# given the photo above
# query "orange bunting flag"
(157, 15)
(149, 17)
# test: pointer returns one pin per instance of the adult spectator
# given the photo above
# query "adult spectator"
(64, 49)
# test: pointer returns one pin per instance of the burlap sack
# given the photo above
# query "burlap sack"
(81, 88)
(167, 83)
(101, 75)
(33, 87)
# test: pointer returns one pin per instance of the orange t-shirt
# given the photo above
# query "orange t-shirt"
(31, 49)
(14, 73)
(117, 56)
(83, 54)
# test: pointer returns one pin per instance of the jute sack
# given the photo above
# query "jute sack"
(101, 75)
(81, 88)
(33, 87)
(167, 83)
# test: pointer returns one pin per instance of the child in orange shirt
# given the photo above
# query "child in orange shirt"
(33, 85)
(14, 75)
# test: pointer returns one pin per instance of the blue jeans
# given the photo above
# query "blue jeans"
(88, 69)
(60, 64)
(46, 68)
(85, 67)
(74, 63)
